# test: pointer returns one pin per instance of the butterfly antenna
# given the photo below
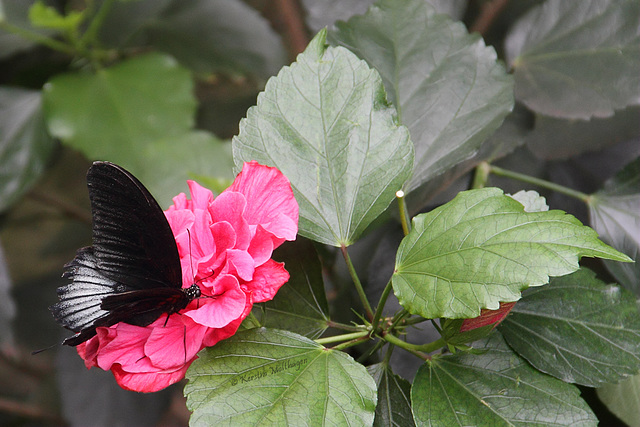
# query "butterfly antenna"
(33, 353)
(190, 257)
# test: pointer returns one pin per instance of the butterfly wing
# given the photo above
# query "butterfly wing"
(132, 240)
(132, 272)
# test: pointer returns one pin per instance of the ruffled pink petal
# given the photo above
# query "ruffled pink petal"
(148, 382)
(179, 202)
(267, 279)
(172, 345)
(229, 207)
(225, 238)
(179, 220)
(215, 335)
(127, 348)
(261, 246)
(227, 304)
(239, 263)
(270, 200)
(200, 197)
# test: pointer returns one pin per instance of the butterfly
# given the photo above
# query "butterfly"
(132, 272)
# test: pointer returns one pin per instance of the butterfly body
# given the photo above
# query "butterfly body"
(132, 271)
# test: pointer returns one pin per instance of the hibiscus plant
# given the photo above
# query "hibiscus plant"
(393, 234)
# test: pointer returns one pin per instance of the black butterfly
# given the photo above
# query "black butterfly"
(132, 272)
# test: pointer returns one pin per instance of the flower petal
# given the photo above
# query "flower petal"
(270, 200)
(267, 279)
(229, 207)
(150, 381)
(224, 307)
(172, 345)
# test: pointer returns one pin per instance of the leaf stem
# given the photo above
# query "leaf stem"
(343, 337)
(404, 216)
(89, 36)
(424, 348)
(38, 38)
(411, 348)
(356, 282)
(481, 175)
(343, 326)
(381, 303)
(399, 316)
(539, 182)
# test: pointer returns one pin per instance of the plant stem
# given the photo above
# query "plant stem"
(381, 303)
(338, 325)
(415, 321)
(481, 175)
(343, 337)
(399, 316)
(404, 215)
(424, 348)
(38, 38)
(89, 36)
(357, 283)
(539, 182)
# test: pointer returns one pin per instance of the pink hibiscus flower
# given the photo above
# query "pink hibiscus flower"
(225, 246)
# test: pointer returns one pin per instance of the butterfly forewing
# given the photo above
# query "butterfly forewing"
(132, 240)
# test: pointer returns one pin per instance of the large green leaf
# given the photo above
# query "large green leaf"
(577, 59)
(114, 112)
(577, 329)
(494, 388)
(218, 35)
(481, 249)
(271, 377)
(166, 165)
(325, 123)
(300, 306)
(394, 401)
(623, 399)
(448, 87)
(320, 14)
(25, 146)
(561, 138)
(615, 215)
(138, 114)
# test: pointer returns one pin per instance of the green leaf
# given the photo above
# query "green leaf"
(25, 146)
(16, 13)
(493, 388)
(125, 22)
(44, 16)
(110, 115)
(300, 305)
(272, 377)
(165, 165)
(218, 35)
(623, 399)
(325, 123)
(481, 249)
(577, 60)
(615, 215)
(394, 402)
(561, 138)
(577, 329)
(448, 87)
